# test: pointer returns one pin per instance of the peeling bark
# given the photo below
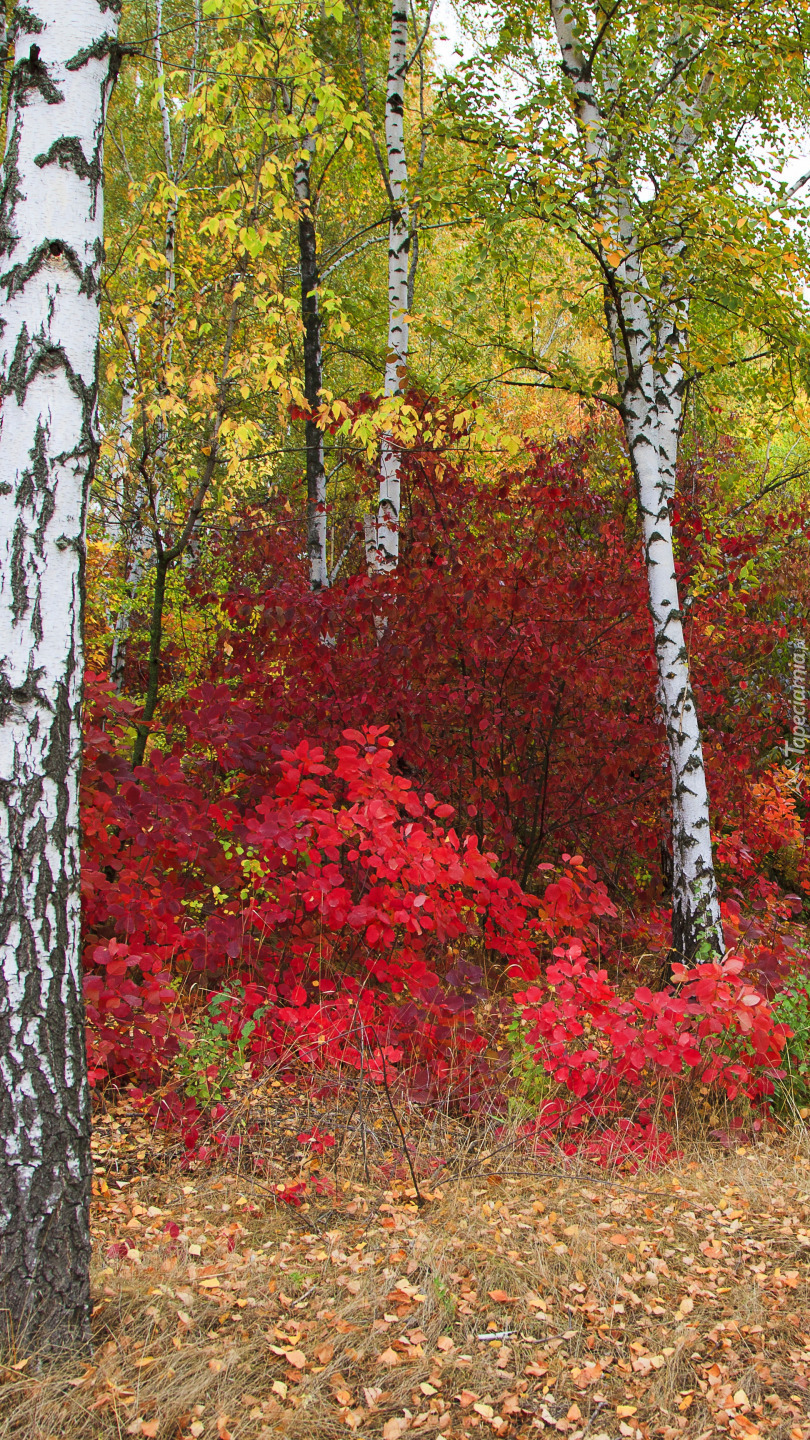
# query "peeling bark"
(65, 60)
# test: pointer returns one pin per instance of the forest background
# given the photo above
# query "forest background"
(379, 764)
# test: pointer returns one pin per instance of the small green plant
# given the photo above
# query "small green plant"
(706, 948)
(534, 1084)
(444, 1297)
(791, 1095)
(216, 1054)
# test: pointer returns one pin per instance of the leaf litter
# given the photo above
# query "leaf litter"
(672, 1305)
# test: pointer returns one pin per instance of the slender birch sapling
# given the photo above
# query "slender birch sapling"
(399, 237)
(65, 59)
(382, 530)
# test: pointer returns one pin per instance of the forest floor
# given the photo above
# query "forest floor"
(542, 1300)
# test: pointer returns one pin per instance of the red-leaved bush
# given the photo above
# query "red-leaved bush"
(287, 850)
(712, 1025)
(360, 899)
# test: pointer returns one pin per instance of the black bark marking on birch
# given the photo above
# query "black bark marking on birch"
(11, 193)
(18, 276)
(48, 360)
(41, 478)
(68, 153)
(24, 22)
(15, 383)
(96, 51)
(45, 1162)
(19, 590)
(30, 74)
(44, 1276)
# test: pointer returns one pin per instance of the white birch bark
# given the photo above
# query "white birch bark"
(118, 653)
(674, 324)
(695, 902)
(65, 59)
(651, 410)
(399, 235)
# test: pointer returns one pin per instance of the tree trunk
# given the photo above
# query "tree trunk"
(696, 921)
(51, 239)
(313, 376)
(118, 652)
(162, 566)
(651, 406)
(399, 237)
(133, 565)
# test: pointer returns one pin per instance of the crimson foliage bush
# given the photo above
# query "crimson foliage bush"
(288, 846)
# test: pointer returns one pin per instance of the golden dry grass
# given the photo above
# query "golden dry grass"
(672, 1304)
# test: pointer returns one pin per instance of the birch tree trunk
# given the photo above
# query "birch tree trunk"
(696, 917)
(65, 62)
(133, 562)
(399, 236)
(313, 369)
(651, 406)
(118, 651)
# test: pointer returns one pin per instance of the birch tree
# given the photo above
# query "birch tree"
(649, 376)
(382, 530)
(648, 183)
(399, 238)
(64, 66)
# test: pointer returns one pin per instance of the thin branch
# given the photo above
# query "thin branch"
(419, 1197)
(376, 240)
(422, 38)
(603, 29)
(361, 60)
(794, 189)
(339, 563)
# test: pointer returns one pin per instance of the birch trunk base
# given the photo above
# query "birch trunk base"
(51, 249)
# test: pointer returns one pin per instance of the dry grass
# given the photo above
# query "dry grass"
(675, 1304)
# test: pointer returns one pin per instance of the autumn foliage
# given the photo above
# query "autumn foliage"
(378, 852)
